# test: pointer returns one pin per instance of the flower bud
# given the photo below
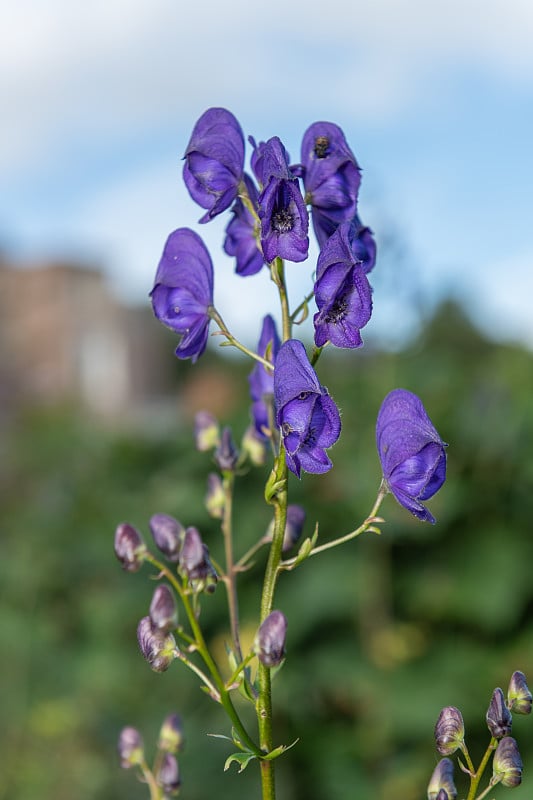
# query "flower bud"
(441, 785)
(168, 774)
(226, 454)
(254, 446)
(130, 748)
(158, 648)
(168, 535)
(293, 527)
(507, 764)
(195, 564)
(171, 734)
(206, 431)
(518, 695)
(215, 499)
(269, 644)
(449, 731)
(129, 547)
(499, 718)
(163, 611)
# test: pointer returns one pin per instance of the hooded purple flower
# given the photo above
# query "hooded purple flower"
(411, 452)
(307, 416)
(331, 178)
(183, 291)
(284, 218)
(242, 234)
(261, 380)
(363, 245)
(342, 292)
(214, 161)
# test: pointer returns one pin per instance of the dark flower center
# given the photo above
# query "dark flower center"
(338, 310)
(282, 220)
(310, 439)
(321, 147)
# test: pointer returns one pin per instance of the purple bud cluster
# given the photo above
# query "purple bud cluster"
(165, 772)
(450, 737)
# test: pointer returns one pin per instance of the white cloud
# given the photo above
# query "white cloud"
(113, 68)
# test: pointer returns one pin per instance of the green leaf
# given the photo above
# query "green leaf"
(278, 751)
(242, 759)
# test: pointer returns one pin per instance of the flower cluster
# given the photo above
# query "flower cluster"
(165, 772)
(269, 223)
(450, 737)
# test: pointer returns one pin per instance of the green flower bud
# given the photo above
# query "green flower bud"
(130, 748)
(215, 498)
(507, 764)
(206, 431)
(499, 719)
(171, 735)
(518, 695)
(254, 446)
(449, 731)
(442, 781)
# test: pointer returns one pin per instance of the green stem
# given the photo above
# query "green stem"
(215, 316)
(203, 650)
(264, 699)
(476, 777)
(277, 273)
(155, 790)
(366, 525)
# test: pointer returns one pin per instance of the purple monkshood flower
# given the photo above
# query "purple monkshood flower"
(411, 452)
(284, 218)
(342, 292)
(307, 416)
(331, 177)
(261, 380)
(363, 245)
(183, 291)
(242, 234)
(214, 161)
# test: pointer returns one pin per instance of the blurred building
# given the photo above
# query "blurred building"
(64, 336)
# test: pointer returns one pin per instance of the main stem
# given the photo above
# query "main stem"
(264, 700)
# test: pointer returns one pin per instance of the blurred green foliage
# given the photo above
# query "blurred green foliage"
(382, 633)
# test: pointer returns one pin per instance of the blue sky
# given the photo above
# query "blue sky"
(436, 100)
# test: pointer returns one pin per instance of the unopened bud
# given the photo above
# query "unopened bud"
(254, 446)
(441, 785)
(129, 547)
(206, 431)
(518, 695)
(215, 498)
(158, 648)
(171, 734)
(168, 774)
(163, 611)
(168, 535)
(507, 764)
(226, 454)
(499, 718)
(130, 748)
(449, 731)
(195, 564)
(293, 527)
(269, 644)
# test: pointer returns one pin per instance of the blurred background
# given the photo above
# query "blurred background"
(98, 103)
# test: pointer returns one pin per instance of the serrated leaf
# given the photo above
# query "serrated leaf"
(242, 759)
